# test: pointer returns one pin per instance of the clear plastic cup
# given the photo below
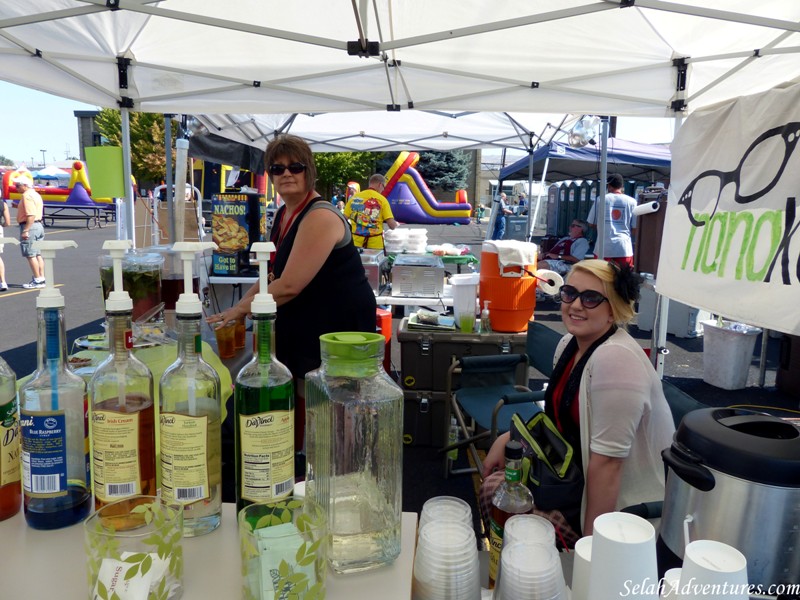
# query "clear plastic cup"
(446, 565)
(445, 508)
(530, 571)
(531, 528)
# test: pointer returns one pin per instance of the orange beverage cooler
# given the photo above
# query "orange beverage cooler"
(507, 281)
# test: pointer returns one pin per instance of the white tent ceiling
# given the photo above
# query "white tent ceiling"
(618, 57)
(405, 130)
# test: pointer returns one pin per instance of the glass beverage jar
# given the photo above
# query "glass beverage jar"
(354, 444)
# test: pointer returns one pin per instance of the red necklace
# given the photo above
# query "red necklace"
(286, 225)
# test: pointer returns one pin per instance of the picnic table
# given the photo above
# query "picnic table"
(94, 215)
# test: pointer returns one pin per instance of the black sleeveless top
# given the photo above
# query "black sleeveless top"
(338, 298)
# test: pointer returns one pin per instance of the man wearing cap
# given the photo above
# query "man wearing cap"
(29, 216)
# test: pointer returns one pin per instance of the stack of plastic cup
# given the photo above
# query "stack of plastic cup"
(446, 565)
(530, 571)
(394, 240)
(417, 241)
(445, 508)
(531, 528)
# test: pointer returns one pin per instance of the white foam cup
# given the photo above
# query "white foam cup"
(581, 566)
(714, 571)
(623, 558)
(672, 580)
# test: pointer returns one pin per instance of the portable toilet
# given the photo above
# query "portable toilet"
(563, 209)
(572, 205)
(552, 209)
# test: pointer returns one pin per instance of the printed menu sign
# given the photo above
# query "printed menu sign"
(229, 230)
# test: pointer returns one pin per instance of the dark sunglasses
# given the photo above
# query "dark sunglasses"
(589, 298)
(294, 168)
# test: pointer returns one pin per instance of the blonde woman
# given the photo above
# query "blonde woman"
(605, 398)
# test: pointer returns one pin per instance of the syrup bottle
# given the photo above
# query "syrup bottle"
(123, 413)
(10, 489)
(54, 428)
(264, 406)
(190, 405)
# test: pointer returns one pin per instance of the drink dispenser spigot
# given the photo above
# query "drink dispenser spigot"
(118, 298)
(189, 303)
(263, 303)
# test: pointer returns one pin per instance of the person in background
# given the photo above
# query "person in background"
(605, 398)
(500, 222)
(479, 213)
(6, 220)
(30, 211)
(314, 259)
(620, 223)
(568, 250)
(340, 205)
(368, 211)
(522, 206)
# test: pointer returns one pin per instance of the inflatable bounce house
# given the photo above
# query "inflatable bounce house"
(413, 202)
(77, 193)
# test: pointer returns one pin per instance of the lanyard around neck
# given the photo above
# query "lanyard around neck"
(287, 225)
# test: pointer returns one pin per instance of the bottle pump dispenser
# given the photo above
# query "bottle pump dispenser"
(190, 419)
(53, 424)
(264, 406)
(123, 412)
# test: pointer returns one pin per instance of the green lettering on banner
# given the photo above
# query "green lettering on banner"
(717, 239)
(735, 220)
(687, 252)
(775, 219)
(717, 243)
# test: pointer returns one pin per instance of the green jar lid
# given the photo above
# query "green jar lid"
(352, 345)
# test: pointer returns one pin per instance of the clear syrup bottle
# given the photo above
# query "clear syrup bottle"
(123, 413)
(10, 487)
(264, 406)
(354, 450)
(512, 497)
(190, 406)
(54, 425)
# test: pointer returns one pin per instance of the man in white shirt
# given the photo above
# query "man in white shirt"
(620, 223)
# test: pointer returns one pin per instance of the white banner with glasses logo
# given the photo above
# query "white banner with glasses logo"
(731, 243)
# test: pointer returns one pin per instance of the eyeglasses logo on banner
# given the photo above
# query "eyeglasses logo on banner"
(754, 177)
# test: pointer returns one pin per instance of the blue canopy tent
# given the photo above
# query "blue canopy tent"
(557, 161)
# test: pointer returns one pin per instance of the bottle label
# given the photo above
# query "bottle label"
(115, 454)
(9, 443)
(44, 453)
(184, 458)
(513, 475)
(128, 339)
(267, 459)
(495, 546)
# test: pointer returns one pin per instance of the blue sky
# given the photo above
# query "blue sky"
(34, 121)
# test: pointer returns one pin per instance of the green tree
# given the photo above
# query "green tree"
(148, 155)
(335, 169)
(447, 171)
(6, 162)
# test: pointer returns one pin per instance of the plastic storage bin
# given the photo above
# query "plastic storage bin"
(727, 353)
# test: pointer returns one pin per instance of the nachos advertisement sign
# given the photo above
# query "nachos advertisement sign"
(731, 243)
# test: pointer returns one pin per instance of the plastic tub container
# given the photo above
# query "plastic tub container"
(727, 353)
(511, 290)
(465, 293)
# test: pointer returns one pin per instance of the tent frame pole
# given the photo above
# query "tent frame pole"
(126, 174)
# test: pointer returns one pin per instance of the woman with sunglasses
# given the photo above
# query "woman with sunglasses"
(316, 275)
(605, 398)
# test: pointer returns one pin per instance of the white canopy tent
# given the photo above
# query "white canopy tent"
(615, 57)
